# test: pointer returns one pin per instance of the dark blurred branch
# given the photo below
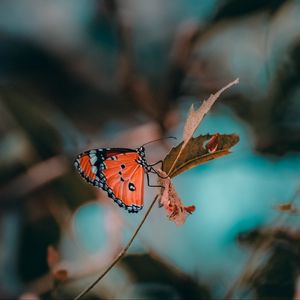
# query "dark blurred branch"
(263, 240)
(156, 101)
(278, 115)
(179, 59)
(234, 8)
(34, 178)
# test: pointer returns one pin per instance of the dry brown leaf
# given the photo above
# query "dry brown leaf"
(287, 207)
(189, 153)
(171, 202)
(196, 116)
(198, 150)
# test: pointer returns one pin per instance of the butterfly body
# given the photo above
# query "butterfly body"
(118, 171)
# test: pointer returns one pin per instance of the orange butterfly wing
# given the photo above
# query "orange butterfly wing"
(126, 179)
(86, 168)
(119, 174)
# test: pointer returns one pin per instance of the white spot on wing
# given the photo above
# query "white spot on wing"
(93, 159)
(94, 169)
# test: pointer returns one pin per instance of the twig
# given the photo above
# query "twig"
(121, 254)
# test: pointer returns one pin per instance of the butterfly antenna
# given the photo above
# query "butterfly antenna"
(168, 137)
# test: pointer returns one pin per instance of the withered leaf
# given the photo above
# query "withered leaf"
(197, 151)
(287, 207)
(171, 202)
(195, 116)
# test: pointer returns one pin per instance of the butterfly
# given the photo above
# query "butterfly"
(118, 171)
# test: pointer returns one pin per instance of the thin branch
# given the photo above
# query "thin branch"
(121, 254)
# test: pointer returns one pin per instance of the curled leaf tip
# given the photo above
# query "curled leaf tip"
(212, 145)
(190, 209)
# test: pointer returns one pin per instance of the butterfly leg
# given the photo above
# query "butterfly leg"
(154, 171)
(150, 185)
(162, 187)
(158, 162)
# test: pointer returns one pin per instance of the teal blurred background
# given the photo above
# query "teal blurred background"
(76, 75)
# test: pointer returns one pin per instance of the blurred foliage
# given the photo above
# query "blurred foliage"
(160, 273)
(276, 277)
(75, 74)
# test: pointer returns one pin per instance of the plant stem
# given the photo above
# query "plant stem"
(120, 255)
(175, 160)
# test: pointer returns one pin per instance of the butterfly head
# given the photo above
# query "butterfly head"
(141, 151)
